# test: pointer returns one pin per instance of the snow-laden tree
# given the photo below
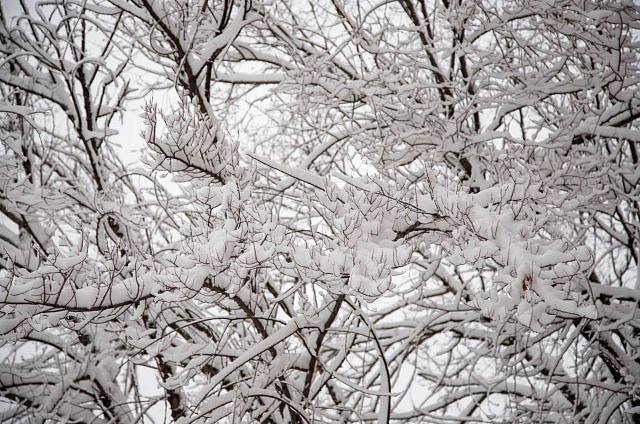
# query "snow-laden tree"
(397, 211)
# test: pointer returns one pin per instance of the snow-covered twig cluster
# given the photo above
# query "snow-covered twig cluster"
(404, 211)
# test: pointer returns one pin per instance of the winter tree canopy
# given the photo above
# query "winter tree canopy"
(345, 211)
